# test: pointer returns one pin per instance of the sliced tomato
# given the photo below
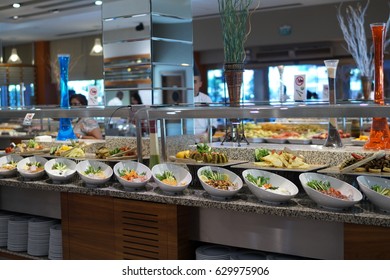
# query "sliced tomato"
(356, 156)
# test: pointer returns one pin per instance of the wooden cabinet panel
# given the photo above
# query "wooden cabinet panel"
(141, 229)
(88, 227)
(366, 242)
(100, 227)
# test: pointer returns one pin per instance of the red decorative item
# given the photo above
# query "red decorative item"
(379, 135)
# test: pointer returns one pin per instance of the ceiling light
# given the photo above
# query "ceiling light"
(97, 48)
(98, 3)
(14, 58)
(16, 5)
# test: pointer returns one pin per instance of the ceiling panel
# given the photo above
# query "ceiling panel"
(58, 19)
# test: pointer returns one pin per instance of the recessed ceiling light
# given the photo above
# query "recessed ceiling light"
(98, 3)
(16, 5)
(15, 17)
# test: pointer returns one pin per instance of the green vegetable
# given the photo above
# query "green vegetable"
(115, 151)
(259, 181)
(216, 176)
(125, 171)
(35, 163)
(319, 185)
(381, 190)
(203, 148)
(59, 166)
(93, 170)
(165, 175)
(32, 144)
(260, 153)
(53, 150)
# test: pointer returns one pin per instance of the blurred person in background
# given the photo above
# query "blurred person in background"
(84, 128)
(135, 99)
(202, 125)
(117, 100)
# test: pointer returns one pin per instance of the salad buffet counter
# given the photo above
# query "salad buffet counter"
(114, 221)
(111, 221)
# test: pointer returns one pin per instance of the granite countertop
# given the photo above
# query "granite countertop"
(300, 207)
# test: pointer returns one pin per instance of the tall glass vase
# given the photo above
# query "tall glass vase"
(333, 139)
(65, 131)
(379, 135)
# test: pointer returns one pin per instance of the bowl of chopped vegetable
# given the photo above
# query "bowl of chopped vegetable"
(171, 178)
(60, 169)
(219, 182)
(132, 175)
(32, 167)
(329, 192)
(8, 165)
(269, 187)
(377, 190)
(93, 172)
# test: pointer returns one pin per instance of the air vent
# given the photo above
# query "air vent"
(293, 52)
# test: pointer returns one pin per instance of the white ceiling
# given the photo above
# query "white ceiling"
(58, 19)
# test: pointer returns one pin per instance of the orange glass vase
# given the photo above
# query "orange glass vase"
(379, 134)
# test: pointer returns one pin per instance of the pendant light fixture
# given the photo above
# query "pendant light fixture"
(14, 58)
(97, 48)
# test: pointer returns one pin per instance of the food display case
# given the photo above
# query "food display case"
(299, 227)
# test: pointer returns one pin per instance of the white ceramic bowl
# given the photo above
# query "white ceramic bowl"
(26, 172)
(218, 193)
(91, 180)
(276, 181)
(325, 200)
(381, 201)
(138, 167)
(5, 160)
(182, 175)
(57, 175)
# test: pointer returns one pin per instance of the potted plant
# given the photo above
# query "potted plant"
(235, 30)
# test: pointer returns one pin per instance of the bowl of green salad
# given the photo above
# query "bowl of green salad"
(94, 173)
(60, 169)
(377, 190)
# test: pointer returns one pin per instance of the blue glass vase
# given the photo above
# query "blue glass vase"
(65, 131)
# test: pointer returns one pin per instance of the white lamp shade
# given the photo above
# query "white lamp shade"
(97, 48)
(14, 58)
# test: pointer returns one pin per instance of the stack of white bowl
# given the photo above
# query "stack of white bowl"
(18, 233)
(248, 255)
(55, 242)
(4, 218)
(38, 235)
(214, 252)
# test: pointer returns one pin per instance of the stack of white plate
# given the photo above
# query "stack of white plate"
(38, 235)
(4, 218)
(55, 242)
(18, 233)
(214, 252)
(248, 255)
(283, 257)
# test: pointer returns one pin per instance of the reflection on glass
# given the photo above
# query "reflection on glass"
(333, 139)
